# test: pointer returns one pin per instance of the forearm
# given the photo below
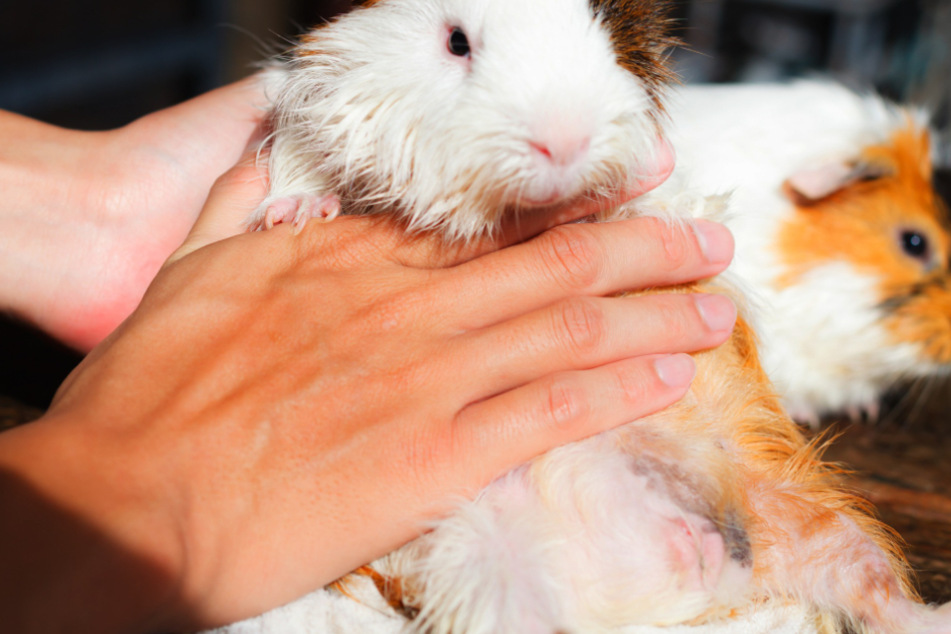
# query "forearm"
(88, 218)
(84, 545)
(40, 168)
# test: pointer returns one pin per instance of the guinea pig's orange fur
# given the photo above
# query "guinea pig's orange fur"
(861, 222)
(789, 494)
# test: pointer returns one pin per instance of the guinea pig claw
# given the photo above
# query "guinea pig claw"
(278, 211)
(297, 210)
(319, 208)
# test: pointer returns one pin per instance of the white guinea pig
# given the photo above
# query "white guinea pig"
(839, 233)
(457, 113)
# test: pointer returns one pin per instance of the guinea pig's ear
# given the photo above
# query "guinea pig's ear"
(814, 184)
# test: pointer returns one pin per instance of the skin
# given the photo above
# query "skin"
(88, 218)
(243, 438)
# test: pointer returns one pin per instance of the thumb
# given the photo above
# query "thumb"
(232, 199)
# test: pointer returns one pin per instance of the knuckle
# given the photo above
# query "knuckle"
(630, 382)
(403, 308)
(420, 458)
(392, 312)
(571, 256)
(582, 325)
(676, 251)
(565, 402)
(676, 319)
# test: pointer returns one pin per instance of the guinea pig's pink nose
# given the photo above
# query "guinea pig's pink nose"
(562, 148)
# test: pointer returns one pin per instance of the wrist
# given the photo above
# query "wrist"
(46, 174)
(101, 548)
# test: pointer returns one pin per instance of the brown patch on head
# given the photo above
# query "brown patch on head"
(640, 32)
(891, 226)
(309, 42)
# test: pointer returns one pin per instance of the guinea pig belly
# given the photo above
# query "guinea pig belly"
(647, 539)
(587, 539)
(488, 568)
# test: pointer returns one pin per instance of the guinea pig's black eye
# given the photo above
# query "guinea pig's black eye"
(914, 244)
(458, 43)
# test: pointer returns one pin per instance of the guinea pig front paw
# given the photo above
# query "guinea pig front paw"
(864, 412)
(804, 415)
(294, 209)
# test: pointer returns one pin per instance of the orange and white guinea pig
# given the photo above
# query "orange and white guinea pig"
(840, 235)
(455, 113)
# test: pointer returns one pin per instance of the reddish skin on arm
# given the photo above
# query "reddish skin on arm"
(88, 218)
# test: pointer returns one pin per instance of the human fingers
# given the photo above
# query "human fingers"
(586, 332)
(506, 430)
(586, 259)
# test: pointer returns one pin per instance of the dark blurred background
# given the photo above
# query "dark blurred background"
(98, 64)
(101, 63)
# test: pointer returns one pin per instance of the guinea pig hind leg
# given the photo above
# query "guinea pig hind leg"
(837, 558)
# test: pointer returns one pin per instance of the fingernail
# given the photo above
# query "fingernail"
(717, 311)
(715, 240)
(676, 370)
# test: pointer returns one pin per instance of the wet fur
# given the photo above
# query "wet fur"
(358, 116)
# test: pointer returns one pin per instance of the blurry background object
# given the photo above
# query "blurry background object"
(902, 48)
(101, 63)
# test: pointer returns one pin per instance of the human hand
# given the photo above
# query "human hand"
(283, 408)
(88, 218)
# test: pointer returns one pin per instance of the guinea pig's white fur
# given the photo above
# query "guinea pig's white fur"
(824, 332)
(691, 513)
(538, 114)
